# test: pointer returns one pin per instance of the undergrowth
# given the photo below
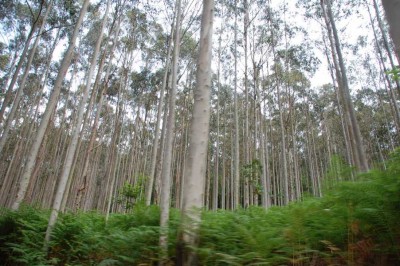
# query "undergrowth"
(355, 223)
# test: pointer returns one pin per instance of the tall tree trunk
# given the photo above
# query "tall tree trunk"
(358, 146)
(51, 105)
(8, 95)
(159, 167)
(88, 183)
(150, 183)
(392, 10)
(388, 83)
(21, 87)
(111, 176)
(217, 150)
(384, 38)
(59, 141)
(223, 177)
(69, 158)
(10, 71)
(343, 120)
(167, 162)
(80, 183)
(236, 157)
(284, 167)
(263, 138)
(246, 104)
(195, 170)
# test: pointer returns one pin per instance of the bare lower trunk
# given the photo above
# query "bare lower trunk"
(236, 158)
(167, 163)
(195, 170)
(150, 184)
(69, 158)
(87, 183)
(354, 130)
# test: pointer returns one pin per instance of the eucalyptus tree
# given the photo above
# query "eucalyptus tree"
(100, 86)
(260, 49)
(353, 137)
(25, 178)
(386, 44)
(278, 69)
(392, 10)
(381, 58)
(170, 129)
(217, 149)
(35, 23)
(69, 158)
(19, 93)
(196, 164)
(371, 108)
(236, 159)
(357, 145)
(140, 37)
(104, 204)
(135, 35)
(8, 60)
(150, 182)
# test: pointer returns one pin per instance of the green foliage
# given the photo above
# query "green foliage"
(252, 171)
(76, 236)
(22, 236)
(394, 165)
(83, 238)
(338, 170)
(394, 73)
(355, 223)
(130, 195)
(4, 57)
(4, 60)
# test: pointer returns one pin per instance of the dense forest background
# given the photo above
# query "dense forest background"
(268, 121)
(97, 100)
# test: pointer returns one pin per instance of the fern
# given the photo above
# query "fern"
(355, 222)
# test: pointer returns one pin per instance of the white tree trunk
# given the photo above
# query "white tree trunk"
(236, 180)
(358, 146)
(69, 158)
(51, 105)
(20, 89)
(8, 95)
(167, 162)
(195, 171)
(150, 183)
